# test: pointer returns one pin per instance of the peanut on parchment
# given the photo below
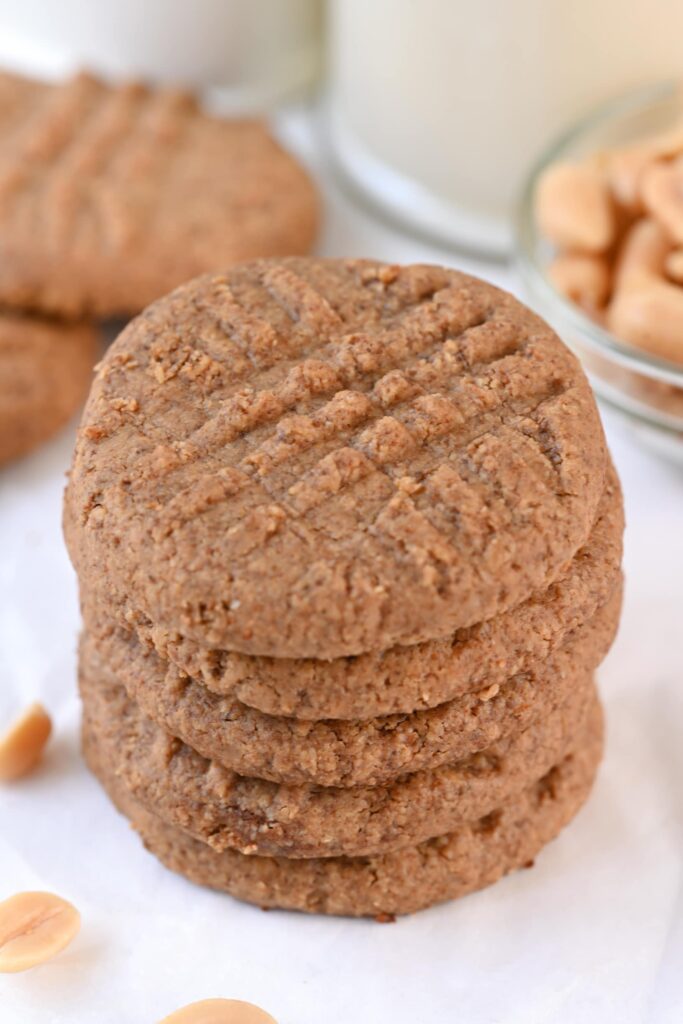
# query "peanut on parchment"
(219, 1011)
(34, 927)
(22, 745)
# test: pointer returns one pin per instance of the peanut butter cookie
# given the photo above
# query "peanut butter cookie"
(406, 679)
(135, 190)
(344, 753)
(227, 810)
(471, 857)
(320, 458)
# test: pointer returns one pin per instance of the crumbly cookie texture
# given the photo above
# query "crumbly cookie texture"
(473, 856)
(45, 370)
(227, 810)
(345, 753)
(406, 679)
(136, 190)
(398, 452)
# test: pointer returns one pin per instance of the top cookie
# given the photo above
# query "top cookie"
(318, 458)
(135, 190)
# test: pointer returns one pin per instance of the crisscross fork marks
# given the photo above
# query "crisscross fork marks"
(346, 411)
(360, 416)
(418, 420)
(428, 417)
(145, 153)
(303, 303)
(84, 139)
(298, 382)
(450, 496)
(412, 408)
(467, 491)
(69, 190)
(42, 138)
(381, 449)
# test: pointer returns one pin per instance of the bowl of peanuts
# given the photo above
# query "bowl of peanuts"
(600, 255)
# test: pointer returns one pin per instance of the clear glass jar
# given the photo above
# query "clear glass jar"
(438, 107)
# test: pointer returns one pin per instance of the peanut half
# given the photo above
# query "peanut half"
(22, 745)
(34, 927)
(574, 208)
(219, 1011)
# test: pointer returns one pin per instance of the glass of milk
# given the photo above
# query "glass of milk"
(252, 53)
(437, 107)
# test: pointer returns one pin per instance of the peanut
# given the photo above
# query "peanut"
(674, 265)
(22, 745)
(617, 221)
(662, 191)
(574, 208)
(219, 1011)
(625, 166)
(582, 278)
(650, 317)
(643, 256)
(34, 927)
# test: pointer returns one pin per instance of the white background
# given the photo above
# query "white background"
(592, 935)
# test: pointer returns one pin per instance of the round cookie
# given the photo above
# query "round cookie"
(342, 753)
(45, 370)
(319, 458)
(254, 816)
(135, 190)
(473, 856)
(405, 679)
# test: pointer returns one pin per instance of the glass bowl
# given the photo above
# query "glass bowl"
(645, 390)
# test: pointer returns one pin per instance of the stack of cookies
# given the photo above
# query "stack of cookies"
(110, 197)
(348, 542)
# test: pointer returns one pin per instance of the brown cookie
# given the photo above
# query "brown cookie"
(342, 753)
(473, 856)
(135, 191)
(229, 811)
(405, 679)
(312, 458)
(45, 370)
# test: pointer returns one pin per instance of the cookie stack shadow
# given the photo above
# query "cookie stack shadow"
(342, 615)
